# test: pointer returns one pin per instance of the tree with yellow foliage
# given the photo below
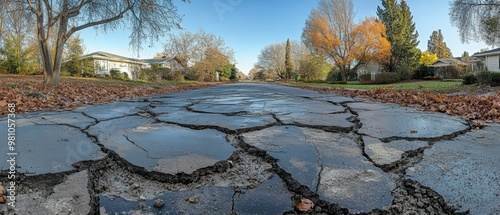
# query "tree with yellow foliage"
(427, 58)
(330, 30)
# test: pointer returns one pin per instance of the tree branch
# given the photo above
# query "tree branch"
(90, 24)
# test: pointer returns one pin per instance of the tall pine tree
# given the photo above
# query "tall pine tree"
(436, 45)
(402, 34)
(288, 61)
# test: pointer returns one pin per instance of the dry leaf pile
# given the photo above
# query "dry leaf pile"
(472, 107)
(29, 94)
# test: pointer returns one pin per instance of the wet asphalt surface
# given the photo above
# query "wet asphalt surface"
(251, 149)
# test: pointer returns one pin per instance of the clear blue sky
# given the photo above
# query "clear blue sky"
(249, 25)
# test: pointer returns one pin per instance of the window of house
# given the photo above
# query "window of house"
(101, 65)
(499, 61)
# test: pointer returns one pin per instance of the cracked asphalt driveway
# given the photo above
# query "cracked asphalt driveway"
(251, 148)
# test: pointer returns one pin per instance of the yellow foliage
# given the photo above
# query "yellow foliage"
(428, 58)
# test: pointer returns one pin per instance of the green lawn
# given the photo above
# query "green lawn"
(428, 86)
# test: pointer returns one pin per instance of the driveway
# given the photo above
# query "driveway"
(249, 148)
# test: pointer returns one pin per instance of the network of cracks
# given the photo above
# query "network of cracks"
(245, 151)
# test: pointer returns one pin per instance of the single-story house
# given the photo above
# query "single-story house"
(447, 67)
(104, 62)
(369, 68)
(491, 59)
(463, 61)
(172, 63)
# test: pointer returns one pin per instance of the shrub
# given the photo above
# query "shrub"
(423, 71)
(334, 77)
(365, 78)
(65, 73)
(484, 77)
(469, 78)
(115, 73)
(449, 72)
(495, 79)
(387, 78)
(125, 76)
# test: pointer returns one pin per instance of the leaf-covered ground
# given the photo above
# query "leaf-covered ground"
(478, 108)
(28, 92)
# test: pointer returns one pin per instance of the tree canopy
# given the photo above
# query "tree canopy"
(403, 36)
(436, 45)
(330, 30)
(59, 19)
(477, 20)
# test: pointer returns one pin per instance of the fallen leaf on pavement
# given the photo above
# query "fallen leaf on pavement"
(305, 205)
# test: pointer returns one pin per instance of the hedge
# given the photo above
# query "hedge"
(387, 78)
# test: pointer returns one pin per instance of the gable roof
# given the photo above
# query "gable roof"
(449, 61)
(157, 60)
(108, 56)
(487, 53)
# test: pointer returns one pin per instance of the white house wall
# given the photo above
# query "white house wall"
(492, 63)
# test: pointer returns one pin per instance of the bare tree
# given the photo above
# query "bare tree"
(148, 20)
(477, 20)
(204, 52)
(272, 59)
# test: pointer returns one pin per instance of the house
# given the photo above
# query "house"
(472, 62)
(369, 68)
(104, 62)
(172, 63)
(490, 59)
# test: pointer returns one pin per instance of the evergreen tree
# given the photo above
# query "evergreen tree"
(436, 45)
(402, 34)
(288, 61)
(234, 73)
(465, 54)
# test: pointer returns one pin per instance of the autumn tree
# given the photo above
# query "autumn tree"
(403, 36)
(436, 45)
(477, 20)
(330, 30)
(147, 20)
(314, 68)
(428, 58)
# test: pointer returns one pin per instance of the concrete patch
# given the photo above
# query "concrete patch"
(329, 163)
(227, 122)
(386, 153)
(59, 118)
(67, 198)
(113, 110)
(359, 190)
(40, 151)
(465, 171)
(336, 121)
(157, 146)
(408, 123)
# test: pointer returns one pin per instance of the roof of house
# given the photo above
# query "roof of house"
(486, 53)
(449, 61)
(108, 56)
(157, 60)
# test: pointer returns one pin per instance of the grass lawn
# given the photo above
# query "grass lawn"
(421, 86)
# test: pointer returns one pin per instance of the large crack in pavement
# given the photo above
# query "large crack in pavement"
(247, 167)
